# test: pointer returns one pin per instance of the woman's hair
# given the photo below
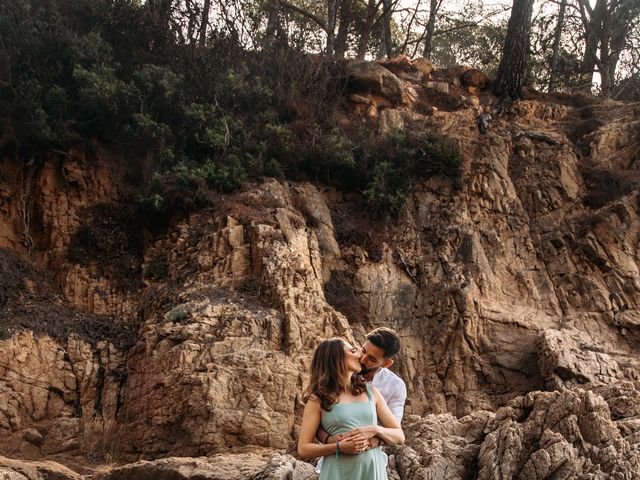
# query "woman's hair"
(328, 369)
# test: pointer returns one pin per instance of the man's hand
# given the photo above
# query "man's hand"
(363, 433)
(374, 442)
(333, 439)
(353, 446)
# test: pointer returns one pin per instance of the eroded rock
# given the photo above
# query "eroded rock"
(31, 470)
(374, 78)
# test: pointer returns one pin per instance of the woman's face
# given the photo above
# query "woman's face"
(352, 358)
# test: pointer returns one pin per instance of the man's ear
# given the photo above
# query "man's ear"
(388, 363)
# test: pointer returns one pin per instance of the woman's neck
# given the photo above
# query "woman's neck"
(347, 382)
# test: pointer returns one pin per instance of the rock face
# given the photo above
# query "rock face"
(25, 470)
(441, 446)
(248, 466)
(509, 282)
(543, 435)
(564, 434)
(218, 467)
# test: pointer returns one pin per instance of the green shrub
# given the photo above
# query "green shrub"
(156, 269)
(177, 314)
(399, 158)
(387, 189)
(5, 332)
(96, 69)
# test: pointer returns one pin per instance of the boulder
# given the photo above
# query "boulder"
(424, 66)
(442, 87)
(11, 469)
(240, 466)
(566, 434)
(371, 77)
(403, 67)
(475, 79)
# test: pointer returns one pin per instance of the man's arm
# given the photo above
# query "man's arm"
(396, 402)
(321, 435)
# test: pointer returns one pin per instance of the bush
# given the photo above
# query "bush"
(177, 314)
(605, 185)
(95, 69)
(5, 332)
(156, 269)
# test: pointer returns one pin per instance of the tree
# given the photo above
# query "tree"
(387, 14)
(434, 7)
(329, 25)
(606, 28)
(202, 35)
(367, 28)
(555, 55)
(512, 69)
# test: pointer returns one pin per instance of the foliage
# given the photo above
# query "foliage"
(5, 332)
(212, 117)
(477, 46)
(383, 169)
(177, 314)
(399, 159)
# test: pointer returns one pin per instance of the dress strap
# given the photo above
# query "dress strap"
(369, 391)
(372, 404)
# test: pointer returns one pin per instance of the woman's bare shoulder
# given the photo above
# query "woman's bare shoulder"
(312, 399)
(376, 393)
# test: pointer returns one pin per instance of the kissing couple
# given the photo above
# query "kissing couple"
(354, 403)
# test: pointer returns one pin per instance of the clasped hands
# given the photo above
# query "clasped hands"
(358, 440)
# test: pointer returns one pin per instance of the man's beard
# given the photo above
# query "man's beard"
(368, 371)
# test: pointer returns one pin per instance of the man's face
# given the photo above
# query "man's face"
(372, 359)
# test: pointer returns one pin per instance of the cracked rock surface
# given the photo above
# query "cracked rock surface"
(515, 289)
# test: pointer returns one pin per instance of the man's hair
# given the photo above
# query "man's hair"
(386, 339)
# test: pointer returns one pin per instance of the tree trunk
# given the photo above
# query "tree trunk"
(365, 34)
(332, 13)
(588, 64)
(205, 23)
(386, 27)
(605, 57)
(161, 17)
(622, 21)
(343, 28)
(272, 27)
(555, 56)
(512, 69)
(591, 21)
(192, 12)
(431, 25)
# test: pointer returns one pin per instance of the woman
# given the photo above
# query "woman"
(339, 400)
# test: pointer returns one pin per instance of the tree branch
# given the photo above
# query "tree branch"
(304, 13)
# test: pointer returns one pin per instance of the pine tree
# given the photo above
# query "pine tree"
(513, 64)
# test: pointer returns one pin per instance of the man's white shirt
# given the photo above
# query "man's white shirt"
(394, 391)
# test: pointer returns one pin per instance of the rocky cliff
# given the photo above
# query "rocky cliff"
(515, 290)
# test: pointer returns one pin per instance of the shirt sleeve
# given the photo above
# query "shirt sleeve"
(397, 400)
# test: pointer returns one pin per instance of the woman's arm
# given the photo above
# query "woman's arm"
(307, 448)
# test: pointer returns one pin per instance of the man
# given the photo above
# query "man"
(376, 356)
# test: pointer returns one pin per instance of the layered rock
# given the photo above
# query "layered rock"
(219, 467)
(503, 283)
(542, 435)
(25, 470)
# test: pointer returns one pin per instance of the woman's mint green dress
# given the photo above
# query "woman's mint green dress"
(344, 417)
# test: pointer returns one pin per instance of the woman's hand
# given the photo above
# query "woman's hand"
(353, 445)
(363, 432)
